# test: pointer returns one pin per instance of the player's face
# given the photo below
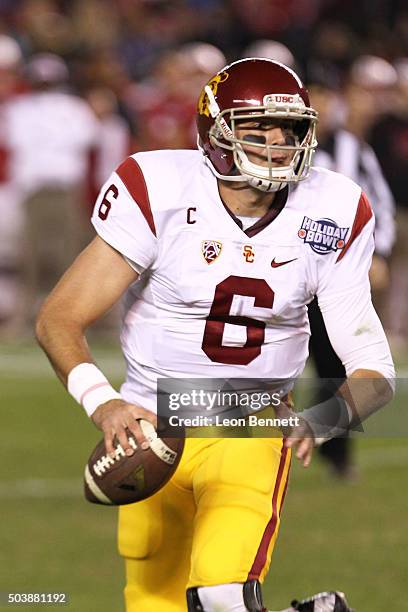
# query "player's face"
(267, 132)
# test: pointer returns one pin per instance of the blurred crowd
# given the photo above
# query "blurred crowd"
(85, 82)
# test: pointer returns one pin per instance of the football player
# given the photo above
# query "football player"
(219, 250)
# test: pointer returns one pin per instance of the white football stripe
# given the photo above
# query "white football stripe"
(160, 449)
(95, 489)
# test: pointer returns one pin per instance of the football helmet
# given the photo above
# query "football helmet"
(253, 91)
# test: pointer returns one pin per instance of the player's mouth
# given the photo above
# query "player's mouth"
(277, 159)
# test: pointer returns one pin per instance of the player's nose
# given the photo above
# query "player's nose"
(275, 136)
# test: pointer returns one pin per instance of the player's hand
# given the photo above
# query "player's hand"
(303, 441)
(115, 416)
(299, 437)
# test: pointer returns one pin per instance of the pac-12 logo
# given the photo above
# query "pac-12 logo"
(211, 249)
(323, 235)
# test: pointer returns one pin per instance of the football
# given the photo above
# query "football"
(119, 480)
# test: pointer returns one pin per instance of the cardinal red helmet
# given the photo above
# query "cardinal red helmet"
(256, 90)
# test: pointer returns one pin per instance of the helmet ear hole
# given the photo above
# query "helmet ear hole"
(217, 132)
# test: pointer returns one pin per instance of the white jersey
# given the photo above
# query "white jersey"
(49, 135)
(213, 301)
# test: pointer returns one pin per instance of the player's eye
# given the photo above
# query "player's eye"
(290, 140)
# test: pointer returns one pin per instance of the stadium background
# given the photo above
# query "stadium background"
(347, 534)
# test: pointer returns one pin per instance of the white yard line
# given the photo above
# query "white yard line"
(41, 488)
(33, 364)
(63, 488)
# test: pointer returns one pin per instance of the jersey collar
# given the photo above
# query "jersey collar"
(274, 210)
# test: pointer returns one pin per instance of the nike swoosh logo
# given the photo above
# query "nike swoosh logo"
(276, 264)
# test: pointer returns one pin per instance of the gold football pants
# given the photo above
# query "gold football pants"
(215, 522)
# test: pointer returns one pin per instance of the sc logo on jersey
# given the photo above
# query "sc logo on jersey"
(323, 236)
(248, 253)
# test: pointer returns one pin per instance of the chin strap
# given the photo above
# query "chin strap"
(263, 185)
(256, 183)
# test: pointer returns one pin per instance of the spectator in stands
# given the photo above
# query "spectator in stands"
(165, 105)
(271, 49)
(333, 48)
(369, 92)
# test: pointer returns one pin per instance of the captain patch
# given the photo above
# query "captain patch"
(323, 235)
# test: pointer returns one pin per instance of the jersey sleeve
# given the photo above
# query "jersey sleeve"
(344, 297)
(123, 217)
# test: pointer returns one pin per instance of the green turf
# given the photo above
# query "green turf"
(56, 541)
(346, 536)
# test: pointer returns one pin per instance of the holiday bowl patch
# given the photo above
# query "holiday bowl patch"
(323, 236)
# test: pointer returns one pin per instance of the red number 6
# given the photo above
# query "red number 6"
(106, 204)
(220, 315)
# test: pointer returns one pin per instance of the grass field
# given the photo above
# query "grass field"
(346, 536)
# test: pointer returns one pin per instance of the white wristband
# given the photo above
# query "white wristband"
(90, 387)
